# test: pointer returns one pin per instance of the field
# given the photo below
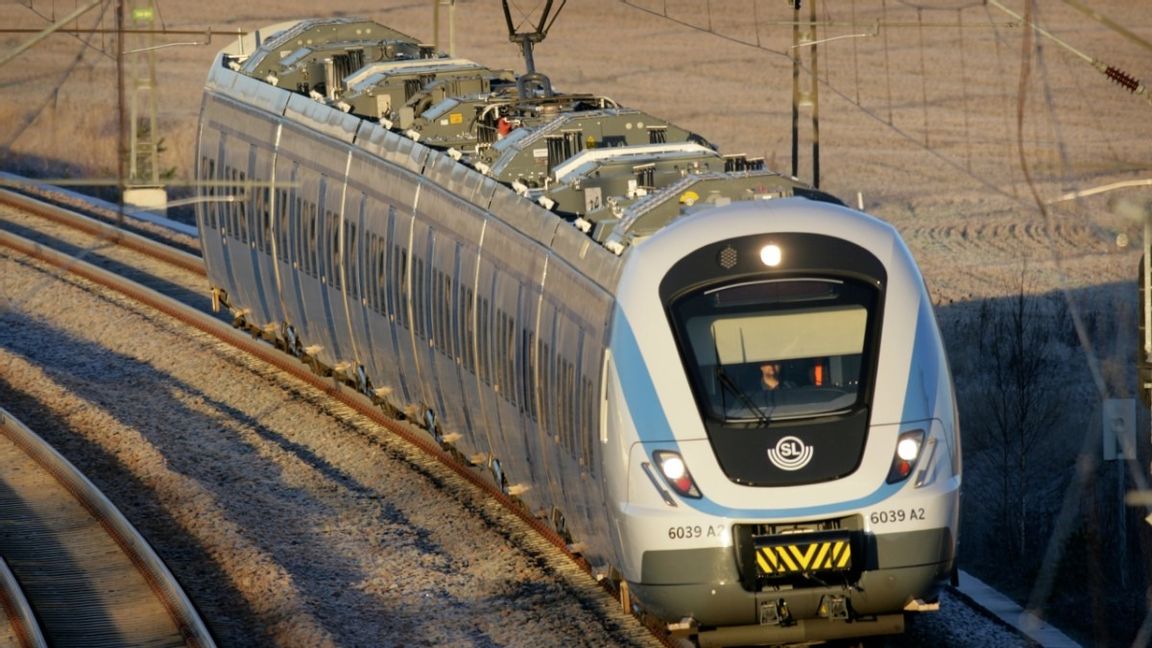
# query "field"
(953, 121)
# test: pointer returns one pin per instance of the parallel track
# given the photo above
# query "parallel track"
(341, 392)
(76, 573)
(281, 361)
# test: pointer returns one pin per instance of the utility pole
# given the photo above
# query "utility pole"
(451, 4)
(804, 42)
(142, 187)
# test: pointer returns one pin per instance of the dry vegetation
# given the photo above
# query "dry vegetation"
(951, 121)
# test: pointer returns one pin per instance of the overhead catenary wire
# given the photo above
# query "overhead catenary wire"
(1121, 77)
(1008, 184)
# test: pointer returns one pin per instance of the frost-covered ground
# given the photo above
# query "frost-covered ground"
(921, 116)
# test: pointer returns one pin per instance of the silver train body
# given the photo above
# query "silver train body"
(616, 389)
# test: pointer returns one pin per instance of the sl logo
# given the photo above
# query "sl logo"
(790, 453)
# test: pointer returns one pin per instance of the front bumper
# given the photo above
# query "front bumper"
(706, 584)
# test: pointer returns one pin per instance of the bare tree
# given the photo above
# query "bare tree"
(1021, 411)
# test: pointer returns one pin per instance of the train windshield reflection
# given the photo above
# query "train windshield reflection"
(775, 349)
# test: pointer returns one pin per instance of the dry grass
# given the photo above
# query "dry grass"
(921, 120)
(924, 118)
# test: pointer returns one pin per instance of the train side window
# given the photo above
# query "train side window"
(262, 211)
(301, 234)
(435, 307)
(352, 259)
(331, 261)
(563, 417)
(468, 328)
(380, 285)
(418, 296)
(511, 391)
(484, 339)
(501, 353)
(444, 312)
(400, 284)
(208, 166)
(528, 379)
(242, 207)
(226, 208)
(449, 339)
(547, 397)
(281, 210)
(230, 174)
(313, 238)
(569, 391)
(298, 232)
(587, 429)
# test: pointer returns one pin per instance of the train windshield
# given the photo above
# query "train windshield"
(776, 349)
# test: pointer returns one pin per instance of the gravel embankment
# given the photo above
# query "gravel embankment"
(289, 521)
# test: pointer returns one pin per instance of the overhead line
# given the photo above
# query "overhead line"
(55, 27)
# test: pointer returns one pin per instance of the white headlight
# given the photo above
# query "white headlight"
(907, 449)
(770, 255)
(673, 468)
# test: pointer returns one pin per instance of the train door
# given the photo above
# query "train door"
(358, 244)
(297, 272)
(488, 411)
(595, 308)
(443, 350)
(527, 358)
(464, 332)
(546, 367)
(320, 170)
(419, 285)
(288, 218)
(209, 211)
(231, 215)
(245, 163)
(516, 266)
(400, 302)
(387, 192)
(455, 222)
(328, 250)
(266, 309)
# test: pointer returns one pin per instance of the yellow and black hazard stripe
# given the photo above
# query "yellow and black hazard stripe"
(804, 557)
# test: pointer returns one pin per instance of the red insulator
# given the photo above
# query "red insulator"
(1121, 77)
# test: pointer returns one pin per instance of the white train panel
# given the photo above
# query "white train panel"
(743, 411)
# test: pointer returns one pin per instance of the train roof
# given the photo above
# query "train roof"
(619, 174)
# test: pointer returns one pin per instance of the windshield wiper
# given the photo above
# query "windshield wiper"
(726, 381)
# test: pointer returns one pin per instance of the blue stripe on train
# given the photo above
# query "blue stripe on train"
(652, 424)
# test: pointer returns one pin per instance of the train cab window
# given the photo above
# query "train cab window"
(777, 349)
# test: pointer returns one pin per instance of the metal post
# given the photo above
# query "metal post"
(795, 88)
(142, 187)
(814, 93)
(804, 40)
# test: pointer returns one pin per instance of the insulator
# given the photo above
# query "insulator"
(1123, 78)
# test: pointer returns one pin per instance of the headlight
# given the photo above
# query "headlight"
(907, 452)
(675, 473)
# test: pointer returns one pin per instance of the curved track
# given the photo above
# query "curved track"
(77, 573)
(167, 300)
(543, 542)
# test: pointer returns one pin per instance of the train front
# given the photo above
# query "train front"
(781, 443)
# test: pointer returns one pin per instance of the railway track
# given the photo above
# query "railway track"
(56, 244)
(586, 614)
(75, 572)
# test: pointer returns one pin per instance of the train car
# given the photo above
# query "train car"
(725, 387)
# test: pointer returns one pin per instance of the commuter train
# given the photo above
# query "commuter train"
(725, 387)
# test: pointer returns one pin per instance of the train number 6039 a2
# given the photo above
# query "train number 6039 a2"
(685, 532)
(896, 515)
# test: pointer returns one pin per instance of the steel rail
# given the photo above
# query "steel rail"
(159, 579)
(360, 403)
(105, 232)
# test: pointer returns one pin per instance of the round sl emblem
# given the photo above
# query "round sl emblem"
(790, 453)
